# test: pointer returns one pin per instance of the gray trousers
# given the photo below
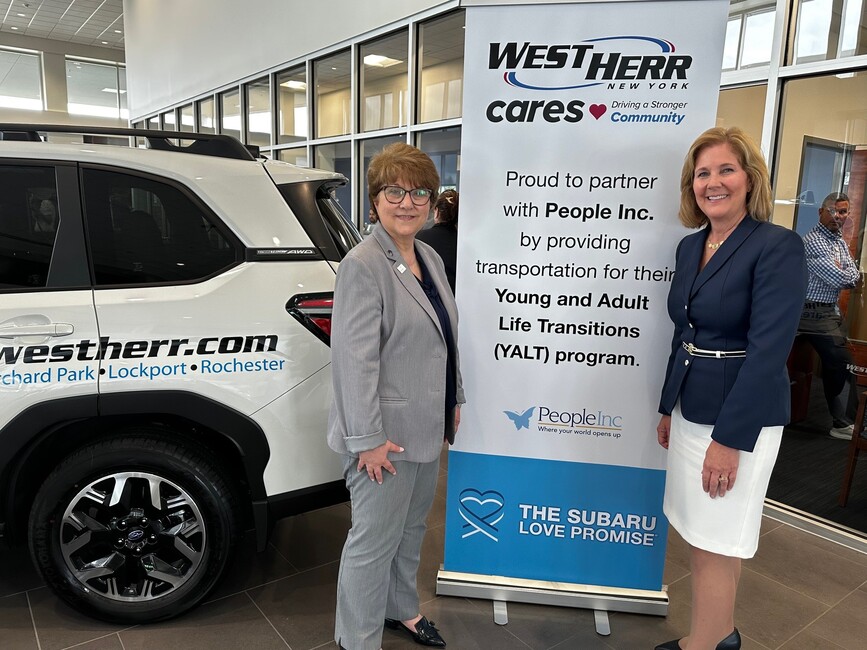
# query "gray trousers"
(379, 563)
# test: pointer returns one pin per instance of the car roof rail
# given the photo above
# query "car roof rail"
(205, 144)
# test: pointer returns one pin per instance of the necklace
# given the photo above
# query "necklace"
(713, 247)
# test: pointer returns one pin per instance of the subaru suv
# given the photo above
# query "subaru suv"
(164, 358)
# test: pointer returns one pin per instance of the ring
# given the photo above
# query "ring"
(723, 479)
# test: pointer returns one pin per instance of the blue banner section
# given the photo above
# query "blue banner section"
(555, 521)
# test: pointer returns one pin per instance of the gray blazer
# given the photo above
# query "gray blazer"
(388, 354)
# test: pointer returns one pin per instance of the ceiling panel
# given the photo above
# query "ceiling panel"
(88, 22)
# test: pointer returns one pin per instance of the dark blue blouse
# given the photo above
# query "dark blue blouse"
(436, 302)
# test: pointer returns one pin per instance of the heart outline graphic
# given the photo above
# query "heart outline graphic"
(597, 110)
(484, 515)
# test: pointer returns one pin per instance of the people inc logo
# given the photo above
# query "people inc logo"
(610, 62)
(481, 512)
(521, 420)
(587, 422)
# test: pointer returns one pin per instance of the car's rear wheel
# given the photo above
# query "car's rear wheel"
(135, 528)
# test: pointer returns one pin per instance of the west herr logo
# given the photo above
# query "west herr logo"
(481, 512)
(597, 67)
(591, 62)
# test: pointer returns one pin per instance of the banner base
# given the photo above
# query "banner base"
(560, 594)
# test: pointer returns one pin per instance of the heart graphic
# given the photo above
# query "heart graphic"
(598, 110)
(481, 512)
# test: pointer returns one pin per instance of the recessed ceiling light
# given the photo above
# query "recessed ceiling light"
(15, 28)
(21, 15)
(378, 61)
(117, 31)
(294, 85)
(104, 42)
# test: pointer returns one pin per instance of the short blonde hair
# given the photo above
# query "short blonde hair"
(751, 160)
(396, 161)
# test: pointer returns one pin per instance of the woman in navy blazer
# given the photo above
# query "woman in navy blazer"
(397, 397)
(735, 301)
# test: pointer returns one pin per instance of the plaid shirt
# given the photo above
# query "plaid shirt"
(830, 266)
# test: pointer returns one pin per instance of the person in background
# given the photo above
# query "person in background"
(397, 397)
(443, 236)
(831, 270)
(735, 301)
(45, 218)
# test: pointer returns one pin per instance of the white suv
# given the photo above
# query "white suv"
(164, 362)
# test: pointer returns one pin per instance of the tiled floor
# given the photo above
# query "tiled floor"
(799, 593)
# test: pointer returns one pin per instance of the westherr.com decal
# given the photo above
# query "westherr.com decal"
(151, 359)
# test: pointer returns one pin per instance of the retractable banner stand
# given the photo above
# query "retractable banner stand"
(576, 121)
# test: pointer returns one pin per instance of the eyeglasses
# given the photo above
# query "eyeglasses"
(834, 212)
(395, 194)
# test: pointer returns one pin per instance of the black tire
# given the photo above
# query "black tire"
(134, 529)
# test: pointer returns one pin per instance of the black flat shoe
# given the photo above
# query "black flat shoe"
(425, 633)
(731, 642)
(669, 645)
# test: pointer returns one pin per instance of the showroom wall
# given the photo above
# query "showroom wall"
(217, 47)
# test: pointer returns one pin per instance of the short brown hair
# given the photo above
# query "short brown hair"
(447, 208)
(759, 203)
(396, 161)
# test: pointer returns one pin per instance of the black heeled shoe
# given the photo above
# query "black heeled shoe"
(731, 642)
(425, 632)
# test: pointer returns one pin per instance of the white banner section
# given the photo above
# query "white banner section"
(576, 122)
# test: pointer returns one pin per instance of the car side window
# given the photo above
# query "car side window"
(144, 231)
(28, 224)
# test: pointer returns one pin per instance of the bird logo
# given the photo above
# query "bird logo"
(521, 420)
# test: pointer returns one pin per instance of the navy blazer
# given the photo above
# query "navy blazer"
(749, 297)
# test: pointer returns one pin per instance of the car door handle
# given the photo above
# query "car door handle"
(46, 329)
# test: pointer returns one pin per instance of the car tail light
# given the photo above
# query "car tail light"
(313, 311)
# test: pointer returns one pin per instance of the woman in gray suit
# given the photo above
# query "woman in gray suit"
(397, 396)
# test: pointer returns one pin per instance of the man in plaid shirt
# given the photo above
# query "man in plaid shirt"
(831, 269)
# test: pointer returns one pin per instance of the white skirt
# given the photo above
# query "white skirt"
(726, 525)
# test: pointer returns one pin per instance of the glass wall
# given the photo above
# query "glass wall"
(20, 80)
(296, 156)
(829, 29)
(333, 79)
(337, 158)
(258, 96)
(743, 107)
(207, 115)
(444, 148)
(822, 149)
(441, 64)
(96, 89)
(168, 120)
(230, 113)
(188, 121)
(384, 77)
(749, 34)
(292, 120)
